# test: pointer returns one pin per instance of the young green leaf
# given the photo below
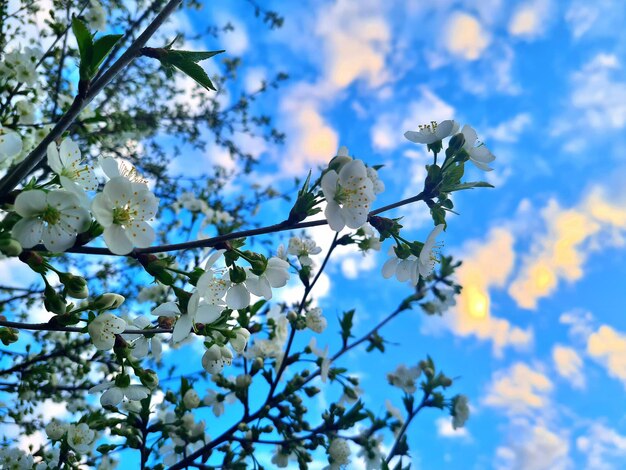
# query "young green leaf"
(101, 48)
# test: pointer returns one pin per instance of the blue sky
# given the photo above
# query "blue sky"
(538, 338)
(539, 335)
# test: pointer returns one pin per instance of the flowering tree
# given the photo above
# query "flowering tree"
(132, 263)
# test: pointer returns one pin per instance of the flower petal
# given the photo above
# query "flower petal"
(117, 240)
(28, 232)
(30, 203)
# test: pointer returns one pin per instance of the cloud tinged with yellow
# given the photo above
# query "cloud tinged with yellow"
(352, 43)
(561, 251)
(519, 390)
(608, 346)
(487, 264)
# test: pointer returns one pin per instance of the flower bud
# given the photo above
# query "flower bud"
(107, 302)
(10, 247)
(53, 302)
(243, 381)
(239, 342)
(76, 286)
(149, 378)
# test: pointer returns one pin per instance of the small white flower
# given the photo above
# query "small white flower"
(56, 429)
(122, 208)
(349, 195)
(114, 394)
(460, 411)
(215, 358)
(65, 162)
(191, 399)
(276, 275)
(325, 366)
(404, 378)
(478, 152)
(280, 459)
(103, 330)
(80, 437)
(302, 248)
(338, 453)
(431, 133)
(413, 267)
(377, 183)
(315, 320)
(427, 258)
(95, 16)
(53, 218)
(141, 343)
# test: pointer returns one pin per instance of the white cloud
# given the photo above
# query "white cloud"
(534, 448)
(466, 37)
(603, 447)
(518, 390)
(388, 130)
(529, 19)
(445, 429)
(509, 130)
(569, 365)
(596, 105)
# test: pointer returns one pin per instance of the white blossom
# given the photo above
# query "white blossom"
(460, 411)
(276, 275)
(55, 430)
(303, 248)
(10, 144)
(240, 340)
(103, 330)
(349, 195)
(431, 133)
(65, 161)
(122, 208)
(80, 437)
(114, 394)
(315, 320)
(478, 152)
(53, 218)
(338, 453)
(141, 343)
(215, 358)
(95, 16)
(191, 399)
(404, 378)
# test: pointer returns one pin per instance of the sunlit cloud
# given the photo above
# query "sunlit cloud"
(466, 37)
(608, 346)
(487, 264)
(562, 251)
(518, 390)
(529, 19)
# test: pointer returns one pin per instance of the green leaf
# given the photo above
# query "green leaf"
(476, 184)
(346, 326)
(192, 55)
(195, 72)
(101, 48)
(83, 38)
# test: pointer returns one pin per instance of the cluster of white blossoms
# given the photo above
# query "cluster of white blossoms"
(413, 267)
(187, 435)
(19, 65)
(55, 216)
(460, 411)
(79, 436)
(349, 188)
(188, 201)
(428, 134)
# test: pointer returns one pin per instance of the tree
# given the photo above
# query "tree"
(88, 128)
